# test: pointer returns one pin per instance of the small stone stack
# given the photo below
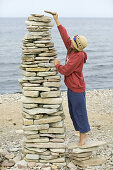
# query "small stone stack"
(43, 124)
(83, 156)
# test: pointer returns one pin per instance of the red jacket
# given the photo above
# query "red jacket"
(72, 70)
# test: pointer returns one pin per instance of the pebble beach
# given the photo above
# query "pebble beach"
(100, 114)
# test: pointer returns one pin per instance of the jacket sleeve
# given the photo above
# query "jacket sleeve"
(74, 65)
(65, 37)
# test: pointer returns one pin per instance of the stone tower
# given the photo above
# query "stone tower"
(43, 117)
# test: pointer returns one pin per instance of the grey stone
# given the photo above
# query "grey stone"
(52, 84)
(46, 65)
(53, 130)
(39, 140)
(43, 101)
(30, 93)
(51, 106)
(50, 94)
(32, 156)
(57, 124)
(36, 127)
(28, 74)
(36, 88)
(46, 73)
(39, 110)
(48, 120)
(48, 145)
(47, 54)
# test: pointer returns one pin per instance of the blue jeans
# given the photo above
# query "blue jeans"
(77, 110)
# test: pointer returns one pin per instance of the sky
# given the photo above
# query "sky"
(65, 8)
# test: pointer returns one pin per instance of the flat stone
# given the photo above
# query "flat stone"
(8, 163)
(42, 42)
(30, 93)
(57, 124)
(51, 106)
(50, 94)
(47, 54)
(60, 165)
(90, 162)
(36, 88)
(42, 59)
(37, 15)
(32, 156)
(48, 145)
(37, 81)
(46, 73)
(71, 166)
(52, 84)
(39, 140)
(81, 155)
(31, 165)
(14, 149)
(9, 156)
(35, 127)
(30, 132)
(31, 85)
(27, 116)
(34, 51)
(32, 136)
(46, 65)
(38, 69)
(60, 136)
(52, 77)
(28, 74)
(39, 150)
(60, 113)
(27, 122)
(30, 106)
(79, 150)
(29, 65)
(47, 157)
(81, 159)
(57, 140)
(39, 110)
(53, 130)
(40, 45)
(58, 150)
(48, 120)
(40, 19)
(46, 168)
(40, 100)
(53, 80)
(31, 78)
(62, 159)
(91, 144)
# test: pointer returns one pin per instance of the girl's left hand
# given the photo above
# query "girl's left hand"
(56, 61)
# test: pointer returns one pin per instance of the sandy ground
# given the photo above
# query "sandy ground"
(100, 113)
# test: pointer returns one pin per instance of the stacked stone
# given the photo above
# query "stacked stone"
(83, 156)
(43, 117)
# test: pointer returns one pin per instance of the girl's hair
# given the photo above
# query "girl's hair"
(71, 49)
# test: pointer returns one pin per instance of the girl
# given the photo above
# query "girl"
(74, 80)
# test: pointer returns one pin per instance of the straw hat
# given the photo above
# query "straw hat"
(79, 42)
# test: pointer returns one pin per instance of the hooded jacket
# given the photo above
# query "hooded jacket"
(72, 70)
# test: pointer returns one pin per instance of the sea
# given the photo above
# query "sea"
(98, 71)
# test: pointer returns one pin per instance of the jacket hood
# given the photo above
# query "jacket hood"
(85, 56)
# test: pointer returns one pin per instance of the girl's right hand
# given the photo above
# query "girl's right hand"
(55, 16)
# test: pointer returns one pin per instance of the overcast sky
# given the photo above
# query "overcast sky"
(65, 8)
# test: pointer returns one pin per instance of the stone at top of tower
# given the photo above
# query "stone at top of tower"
(39, 18)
